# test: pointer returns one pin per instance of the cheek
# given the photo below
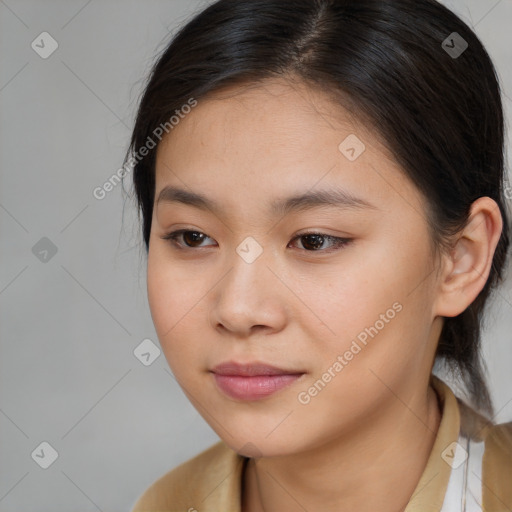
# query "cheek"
(355, 293)
(374, 299)
(159, 288)
(174, 302)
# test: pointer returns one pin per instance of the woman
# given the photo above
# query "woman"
(324, 218)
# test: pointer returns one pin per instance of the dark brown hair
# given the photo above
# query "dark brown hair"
(401, 68)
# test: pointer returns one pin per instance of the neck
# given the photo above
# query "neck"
(375, 467)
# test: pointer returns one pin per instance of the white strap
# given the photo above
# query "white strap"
(474, 478)
(464, 491)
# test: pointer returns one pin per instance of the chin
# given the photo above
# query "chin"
(254, 447)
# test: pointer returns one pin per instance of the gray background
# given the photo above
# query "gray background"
(69, 326)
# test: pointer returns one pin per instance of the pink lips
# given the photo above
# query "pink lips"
(252, 381)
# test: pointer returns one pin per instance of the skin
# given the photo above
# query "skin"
(300, 309)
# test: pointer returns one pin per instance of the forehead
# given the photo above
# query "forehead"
(280, 115)
(278, 102)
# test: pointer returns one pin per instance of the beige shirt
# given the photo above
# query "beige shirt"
(212, 481)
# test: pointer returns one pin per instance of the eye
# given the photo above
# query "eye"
(191, 238)
(313, 242)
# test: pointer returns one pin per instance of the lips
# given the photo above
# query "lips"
(252, 381)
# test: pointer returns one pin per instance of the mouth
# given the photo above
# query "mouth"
(252, 381)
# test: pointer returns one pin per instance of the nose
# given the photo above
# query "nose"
(249, 298)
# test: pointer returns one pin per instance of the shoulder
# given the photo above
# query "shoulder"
(212, 477)
(479, 428)
(497, 467)
(497, 438)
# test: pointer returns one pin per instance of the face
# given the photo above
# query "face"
(287, 322)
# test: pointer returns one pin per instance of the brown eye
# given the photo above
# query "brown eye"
(191, 239)
(313, 242)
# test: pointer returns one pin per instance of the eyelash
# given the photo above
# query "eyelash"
(339, 242)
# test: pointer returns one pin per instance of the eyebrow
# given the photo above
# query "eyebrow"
(301, 202)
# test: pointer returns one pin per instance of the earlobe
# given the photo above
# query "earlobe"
(467, 267)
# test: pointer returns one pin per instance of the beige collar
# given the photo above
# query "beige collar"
(431, 489)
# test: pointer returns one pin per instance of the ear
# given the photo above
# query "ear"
(466, 269)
